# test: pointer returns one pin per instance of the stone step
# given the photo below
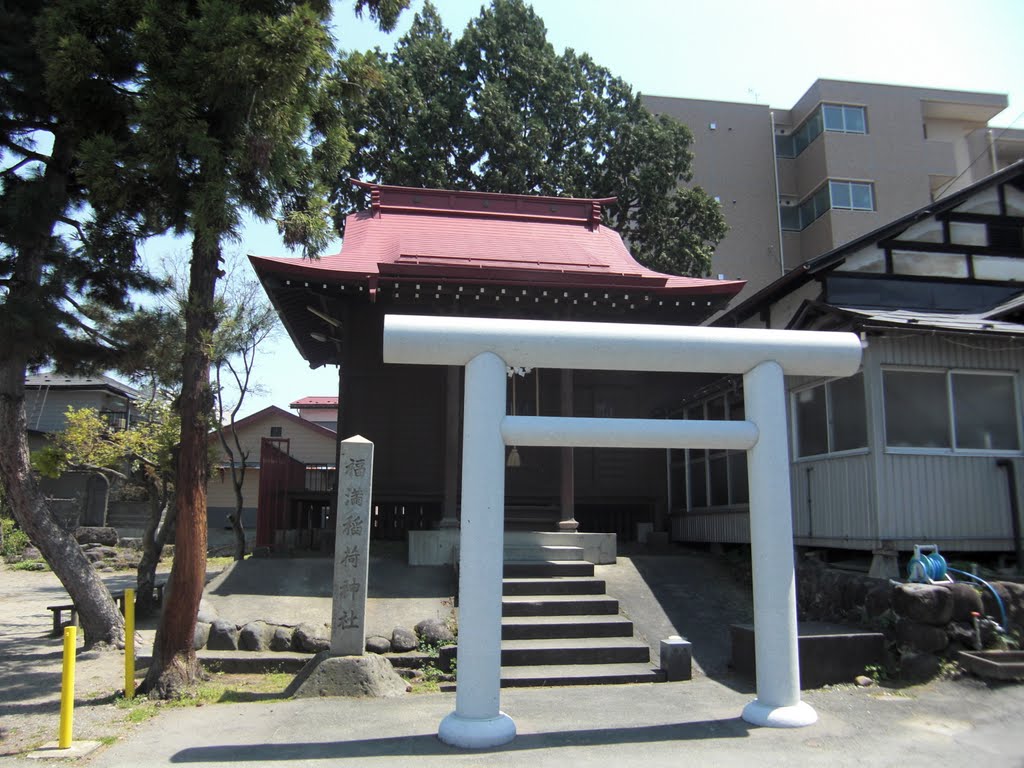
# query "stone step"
(527, 627)
(580, 674)
(561, 585)
(537, 569)
(558, 605)
(542, 552)
(585, 650)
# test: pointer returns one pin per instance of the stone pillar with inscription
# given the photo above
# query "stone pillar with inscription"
(352, 547)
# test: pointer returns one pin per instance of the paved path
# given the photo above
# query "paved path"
(673, 724)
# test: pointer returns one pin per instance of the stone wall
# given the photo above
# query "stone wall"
(921, 622)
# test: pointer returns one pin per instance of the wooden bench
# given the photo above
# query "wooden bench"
(58, 610)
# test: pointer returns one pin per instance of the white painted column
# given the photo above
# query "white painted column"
(778, 701)
(477, 721)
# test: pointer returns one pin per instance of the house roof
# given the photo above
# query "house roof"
(868, 319)
(272, 411)
(54, 380)
(314, 402)
(812, 267)
(445, 235)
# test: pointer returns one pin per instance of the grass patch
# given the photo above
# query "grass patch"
(30, 565)
(220, 688)
(219, 562)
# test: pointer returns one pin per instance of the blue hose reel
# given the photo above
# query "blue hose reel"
(927, 566)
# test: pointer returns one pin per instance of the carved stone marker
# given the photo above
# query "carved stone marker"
(352, 547)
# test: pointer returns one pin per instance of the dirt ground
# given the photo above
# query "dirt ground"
(31, 664)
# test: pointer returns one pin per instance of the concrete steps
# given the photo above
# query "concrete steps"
(559, 627)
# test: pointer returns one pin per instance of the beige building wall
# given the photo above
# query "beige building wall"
(733, 160)
(919, 142)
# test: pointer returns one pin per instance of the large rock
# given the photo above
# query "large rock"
(878, 600)
(924, 603)
(361, 676)
(223, 636)
(309, 638)
(96, 535)
(922, 637)
(917, 667)
(207, 612)
(403, 640)
(434, 632)
(255, 636)
(378, 644)
(281, 640)
(1012, 596)
(966, 600)
(202, 635)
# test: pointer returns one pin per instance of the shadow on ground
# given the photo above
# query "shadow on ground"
(424, 745)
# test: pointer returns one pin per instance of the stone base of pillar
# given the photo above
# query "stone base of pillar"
(796, 716)
(448, 522)
(570, 526)
(476, 733)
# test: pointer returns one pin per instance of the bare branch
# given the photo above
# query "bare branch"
(17, 165)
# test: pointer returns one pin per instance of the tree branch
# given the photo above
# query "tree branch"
(24, 152)
(17, 165)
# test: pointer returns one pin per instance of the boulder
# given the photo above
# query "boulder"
(207, 612)
(378, 644)
(403, 640)
(365, 676)
(966, 600)
(223, 636)
(202, 635)
(434, 632)
(308, 638)
(878, 600)
(96, 535)
(255, 636)
(919, 666)
(281, 639)
(921, 637)
(924, 603)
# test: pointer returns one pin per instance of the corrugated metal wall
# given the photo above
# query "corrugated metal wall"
(725, 527)
(832, 501)
(958, 501)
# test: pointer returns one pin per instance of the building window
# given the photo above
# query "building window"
(830, 418)
(951, 410)
(275, 431)
(842, 195)
(844, 119)
(713, 478)
(834, 118)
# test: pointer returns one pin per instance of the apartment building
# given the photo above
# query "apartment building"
(844, 160)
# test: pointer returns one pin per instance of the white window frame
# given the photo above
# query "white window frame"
(829, 453)
(705, 457)
(953, 450)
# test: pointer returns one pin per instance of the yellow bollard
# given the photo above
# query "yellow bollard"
(129, 643)
(67, 688)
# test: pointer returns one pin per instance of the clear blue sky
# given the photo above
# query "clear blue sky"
(729, 50)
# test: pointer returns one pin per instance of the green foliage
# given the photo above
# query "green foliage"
(144, 452)
(499, 110)
(877, 672)
(15, 540)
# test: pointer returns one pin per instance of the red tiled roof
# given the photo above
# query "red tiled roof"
(447, 236)
(315, 402)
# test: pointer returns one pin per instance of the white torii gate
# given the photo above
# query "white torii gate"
(487, 346)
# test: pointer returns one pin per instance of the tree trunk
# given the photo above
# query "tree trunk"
(99, 618)
(236, 519)
(174, 664)
(158, 528)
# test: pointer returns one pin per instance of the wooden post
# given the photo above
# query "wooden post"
(453, 391)
(568, 489)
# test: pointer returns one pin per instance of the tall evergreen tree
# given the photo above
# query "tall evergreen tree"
(239, 111)
(498, 110)
(69, 220)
